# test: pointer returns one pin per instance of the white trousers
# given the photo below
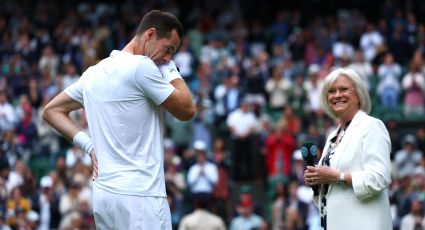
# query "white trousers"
(116, 211)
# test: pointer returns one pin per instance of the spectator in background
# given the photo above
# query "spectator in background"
(297, 96)
(12, 149)
(203, 122)
(342, 48)
(7, 113)
(16, 205)
(415, 218)
(420, 137)
(220, 93)
(242, 124)
(295, 203)
(48, 138)
(399, 44)
(279, 148)
(26, 131)
(247, 219)
(407, 158)
(362, 67)
(35, 95)
(176, 187)
(75, 155)
(297, 171)
(395, 136)
(371, 41)
(4, 173)
(279, 55)
(16, 176)
(49, 62)
(48, 205)
(278, 207)
(53, 88)
(414, 91)
(312, 86)
(254, 78)
(314, 134)
(203, 175)
(29, 187)
(202, 86)
(185, 60)
(234, 95)
(221, 204)
(69, 201)
(181, 132)
(293, 220)
(202, 218)
(294, 123)
(71, 76)
(277, 88)
(388, 86)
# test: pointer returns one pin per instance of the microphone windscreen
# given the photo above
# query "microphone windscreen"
(309, 151)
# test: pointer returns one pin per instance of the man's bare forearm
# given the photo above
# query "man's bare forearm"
(56, 114)
(180, 103)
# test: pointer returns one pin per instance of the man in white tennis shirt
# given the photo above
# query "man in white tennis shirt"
(123, 96)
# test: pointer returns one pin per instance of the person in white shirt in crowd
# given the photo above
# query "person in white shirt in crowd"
(370, 42)
(342, 48)
(48, 205)
(312, 86)
(203, 175)
(7, 113)
(415, 218)
(16, 176)
(185, 59)
(242, 124)
(74, 155)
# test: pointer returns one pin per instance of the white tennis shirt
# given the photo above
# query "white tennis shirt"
(121, 95)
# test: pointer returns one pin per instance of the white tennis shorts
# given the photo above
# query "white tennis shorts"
(117, 211)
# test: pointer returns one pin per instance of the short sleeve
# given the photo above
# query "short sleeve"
(150, 80)
(75, 91)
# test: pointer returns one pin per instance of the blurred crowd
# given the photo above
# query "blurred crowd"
(256, 84)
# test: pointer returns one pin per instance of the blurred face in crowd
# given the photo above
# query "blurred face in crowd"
(342, 97)
(200, 156)
(245, 106)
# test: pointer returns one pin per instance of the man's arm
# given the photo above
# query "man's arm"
(56, 114)
(180, 103)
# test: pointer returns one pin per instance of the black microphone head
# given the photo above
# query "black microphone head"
(309, 151)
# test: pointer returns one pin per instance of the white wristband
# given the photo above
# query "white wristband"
(169, 71)
(82, 140)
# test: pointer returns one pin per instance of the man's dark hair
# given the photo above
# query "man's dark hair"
(163, 22)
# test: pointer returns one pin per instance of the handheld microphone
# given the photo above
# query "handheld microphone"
(309, 154)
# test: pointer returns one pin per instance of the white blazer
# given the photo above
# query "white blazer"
(364, 151)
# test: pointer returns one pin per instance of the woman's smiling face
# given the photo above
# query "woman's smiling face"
(342, 97)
